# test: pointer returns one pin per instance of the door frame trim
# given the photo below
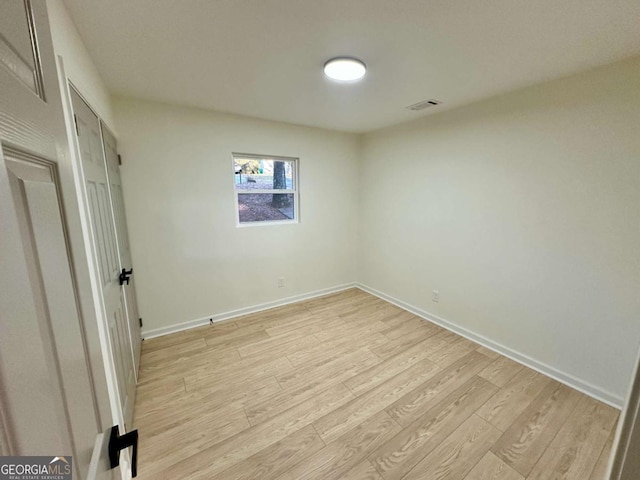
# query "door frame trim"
(628, 428)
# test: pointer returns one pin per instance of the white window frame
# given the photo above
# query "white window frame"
(295, 162)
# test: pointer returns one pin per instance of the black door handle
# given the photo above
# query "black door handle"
(125, 275)
(119, 442)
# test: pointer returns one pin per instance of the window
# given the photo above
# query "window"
(266, 189)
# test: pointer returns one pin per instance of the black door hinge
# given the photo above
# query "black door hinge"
(140, 320)
(119, 160)
(75, 120)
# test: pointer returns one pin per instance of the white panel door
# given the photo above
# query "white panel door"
(106, 250)
(122, 234)
(48, 399)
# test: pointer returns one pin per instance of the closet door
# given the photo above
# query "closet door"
(122, 234)
(105, 246)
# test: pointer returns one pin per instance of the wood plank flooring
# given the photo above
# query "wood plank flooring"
(348, 386)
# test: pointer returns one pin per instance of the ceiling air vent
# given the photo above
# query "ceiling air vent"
(422, 105)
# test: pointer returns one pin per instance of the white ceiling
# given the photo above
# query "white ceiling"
(264, 58)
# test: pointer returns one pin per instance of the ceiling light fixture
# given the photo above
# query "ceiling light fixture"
(345, 69)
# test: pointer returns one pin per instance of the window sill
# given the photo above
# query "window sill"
(266, 223)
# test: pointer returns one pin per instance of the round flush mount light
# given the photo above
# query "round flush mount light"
(345, 69)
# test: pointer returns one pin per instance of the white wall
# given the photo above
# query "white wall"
(78, 65)
(524, 212)
(190, 259)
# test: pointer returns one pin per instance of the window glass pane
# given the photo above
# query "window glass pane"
(265, 207)
(252, 174)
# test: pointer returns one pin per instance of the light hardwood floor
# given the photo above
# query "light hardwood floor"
(348, 386)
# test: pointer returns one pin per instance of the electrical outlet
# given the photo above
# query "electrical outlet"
(435, 296)
(280, 282)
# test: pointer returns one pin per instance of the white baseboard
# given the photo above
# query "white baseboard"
(565, 378)
(562, 377)
(219, 317)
